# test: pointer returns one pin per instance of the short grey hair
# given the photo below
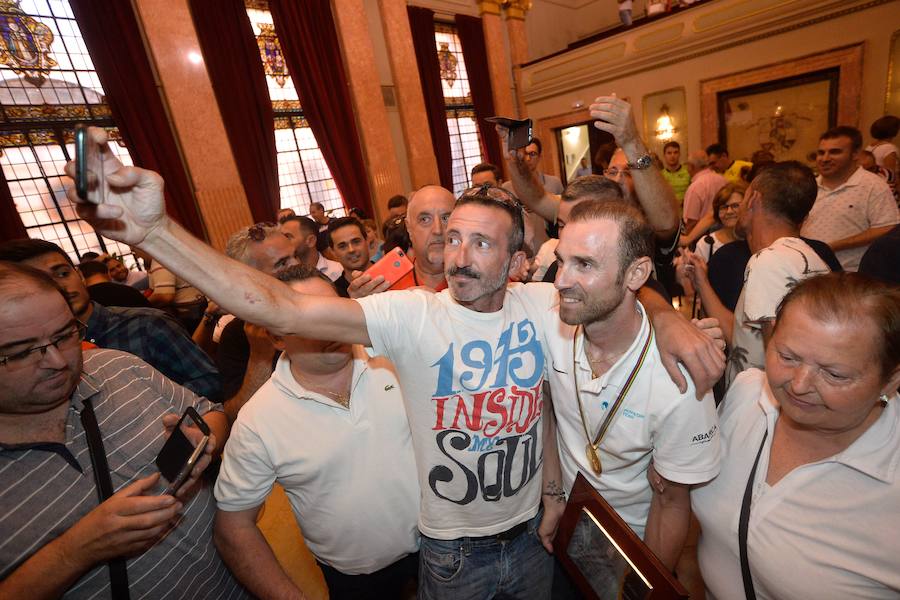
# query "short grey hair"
(238, 246)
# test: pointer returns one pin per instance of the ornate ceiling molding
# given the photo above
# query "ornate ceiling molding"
(698, 32)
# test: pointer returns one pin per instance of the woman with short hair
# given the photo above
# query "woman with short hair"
(809, 490)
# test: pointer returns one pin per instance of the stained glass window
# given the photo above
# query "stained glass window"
(47, 84)
(465, 142)
(303, 175)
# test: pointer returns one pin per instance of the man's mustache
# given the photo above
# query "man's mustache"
(464, 271)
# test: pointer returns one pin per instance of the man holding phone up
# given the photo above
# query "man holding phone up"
(54, 534)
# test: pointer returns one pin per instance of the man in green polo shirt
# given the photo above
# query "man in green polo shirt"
(675, 173)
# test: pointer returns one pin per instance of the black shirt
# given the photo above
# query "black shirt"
(882, 259)
(341, 285)
(109, 293)
(232, 357)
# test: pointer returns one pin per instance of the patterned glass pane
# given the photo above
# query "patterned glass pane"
(47, 84)
(303, 176)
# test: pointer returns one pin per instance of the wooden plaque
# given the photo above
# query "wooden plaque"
(604, 557)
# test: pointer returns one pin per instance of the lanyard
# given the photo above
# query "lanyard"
(593, 446)
(118, 568)
(744, 523)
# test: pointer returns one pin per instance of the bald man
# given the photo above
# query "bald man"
(426, 219)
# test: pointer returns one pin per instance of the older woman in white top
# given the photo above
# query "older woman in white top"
(809, 490)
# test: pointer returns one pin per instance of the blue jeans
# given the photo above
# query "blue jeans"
(485, 568)
(625, 17)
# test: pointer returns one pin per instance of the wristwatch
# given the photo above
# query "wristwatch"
(643, 162)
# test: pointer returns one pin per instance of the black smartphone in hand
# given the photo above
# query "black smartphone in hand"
(520, 131)
(183, 449)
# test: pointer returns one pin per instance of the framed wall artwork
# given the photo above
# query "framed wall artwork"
(784, 117)
(783, 107)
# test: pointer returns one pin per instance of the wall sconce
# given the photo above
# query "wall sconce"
(665, 126)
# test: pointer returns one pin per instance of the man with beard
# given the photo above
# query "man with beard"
(616, 407)
(303, 231)
(774, 206)
(469, 359)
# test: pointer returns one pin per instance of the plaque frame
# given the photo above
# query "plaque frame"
(585, 499)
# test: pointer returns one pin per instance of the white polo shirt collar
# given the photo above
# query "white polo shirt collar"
(853, 181)
(284, 379)
(616, 375)
(871, 454)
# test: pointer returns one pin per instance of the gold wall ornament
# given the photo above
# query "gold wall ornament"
(448, 64)
(516, 9)
(25, 43)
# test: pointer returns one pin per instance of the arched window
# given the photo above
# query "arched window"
(303, 176)
(47, 85)
(465, 142)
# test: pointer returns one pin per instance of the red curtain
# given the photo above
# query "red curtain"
(471, 36)
(116, 46)
(421, 22)
(313, 55)
(11, 227)
(239, 82)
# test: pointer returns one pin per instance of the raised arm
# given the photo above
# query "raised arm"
(653, 193)
(525, 183)
(133, 211)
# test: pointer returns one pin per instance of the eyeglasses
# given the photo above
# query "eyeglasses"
(257, 232)
(733, 206)
(486, 191)
(614, 173)
(32, 356)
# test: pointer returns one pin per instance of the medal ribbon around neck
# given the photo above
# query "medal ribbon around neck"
(592, 447)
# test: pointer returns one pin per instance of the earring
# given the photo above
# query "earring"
(883, 398)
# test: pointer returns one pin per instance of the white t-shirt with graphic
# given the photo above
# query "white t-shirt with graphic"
(770, 274)
(472, 386)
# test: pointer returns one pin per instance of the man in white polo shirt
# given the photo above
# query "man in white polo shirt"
(617, 409)
(853, 207)
(330, 427)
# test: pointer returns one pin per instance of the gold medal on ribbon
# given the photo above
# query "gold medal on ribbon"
(594, 459)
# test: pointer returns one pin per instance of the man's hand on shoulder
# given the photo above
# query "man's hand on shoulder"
(693, 345)
(126, 524)
(132, 207)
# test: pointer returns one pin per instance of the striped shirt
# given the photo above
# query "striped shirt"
(45, 488)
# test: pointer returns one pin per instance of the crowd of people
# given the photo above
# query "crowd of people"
(427, 431)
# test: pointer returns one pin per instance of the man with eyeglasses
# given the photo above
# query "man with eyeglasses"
(148, 333)
(470, 360)
(55, 536)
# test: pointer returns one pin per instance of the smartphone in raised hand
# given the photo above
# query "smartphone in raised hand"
(520, 131)
(89, 176)
(182, 450)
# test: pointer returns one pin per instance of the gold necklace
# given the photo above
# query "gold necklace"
(337, 397)
(592, 447)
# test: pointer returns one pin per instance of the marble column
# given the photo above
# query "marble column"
(518, 43)
(186, 89)
(408, 92)
(498, 62)
(371, 115)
